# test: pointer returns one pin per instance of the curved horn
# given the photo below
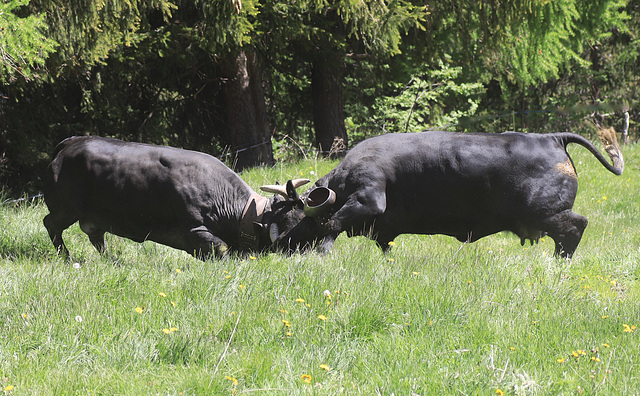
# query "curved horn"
(319, 201)
(276, 189)
(299, 182)
(282, 189)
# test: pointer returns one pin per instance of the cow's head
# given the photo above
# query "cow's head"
(295, 222)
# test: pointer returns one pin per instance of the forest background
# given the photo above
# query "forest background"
(258, 81)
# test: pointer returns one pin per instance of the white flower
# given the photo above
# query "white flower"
(326, 293)
(76, 265)
(78, 318)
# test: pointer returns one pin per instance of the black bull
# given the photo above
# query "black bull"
(466, 185)
(180, 198)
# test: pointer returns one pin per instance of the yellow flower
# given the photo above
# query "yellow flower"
(252, 257)
(325, 367)
(512, 348)
(392, 243)
(139, 310)
(300, 300)
(166, 331)
(581, 352)
(286, 323)
(322, 317)
(162, 294)
(605, 316)
(173, 329)
(306, 378)
(561, 360)
(24, 315)
(288, 334)
(575, 354)
(499, 392)
(627, 328)
(228, 277)
(606, 345)
(235, 381)
(414, 273)
(173, 303)
(8, 388)
(178, 270)
(241, 286)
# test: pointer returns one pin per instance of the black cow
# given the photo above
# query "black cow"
(466, 185)
(180, 198)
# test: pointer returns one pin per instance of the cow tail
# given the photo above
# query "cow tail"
(611, 146)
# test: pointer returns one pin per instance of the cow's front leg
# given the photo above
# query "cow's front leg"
(203, 244)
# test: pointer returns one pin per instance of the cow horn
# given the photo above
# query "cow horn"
(276, 189)
(319, 201)
(282, 189)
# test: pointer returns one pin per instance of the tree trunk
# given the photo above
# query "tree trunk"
(247, 126)
(328, 104)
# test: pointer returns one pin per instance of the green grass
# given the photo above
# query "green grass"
(433, 316)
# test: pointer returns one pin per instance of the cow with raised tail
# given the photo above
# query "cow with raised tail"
(466, 185)
(179, 198)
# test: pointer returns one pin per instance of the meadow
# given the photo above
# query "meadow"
(432, 316)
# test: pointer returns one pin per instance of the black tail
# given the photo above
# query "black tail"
(611, 146)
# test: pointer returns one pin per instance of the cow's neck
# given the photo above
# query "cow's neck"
(253, 211)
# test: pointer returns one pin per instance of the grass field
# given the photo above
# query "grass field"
(433, 316)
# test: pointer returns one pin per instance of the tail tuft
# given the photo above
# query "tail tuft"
(610, 142)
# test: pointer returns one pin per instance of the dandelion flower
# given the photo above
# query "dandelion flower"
(241, 286)
(627, 328)
(391, 243)
(561, 360)
(326, 293)
(606, 345)
(575, 354)
(306, 378)
(24, 315)
(228, 277)
(252, 257)
(139, 310)
(173, 329)
(325, 367)
(166, 331)
(162, 294)
(8, 388)
(499, 392)
(322, 317)
(286, 323)
(233, 380)
(178, 270)
(300, 300)
(173, 303)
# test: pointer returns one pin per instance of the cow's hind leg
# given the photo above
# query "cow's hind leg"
(566, 229)
(96, 235)
(55, 224)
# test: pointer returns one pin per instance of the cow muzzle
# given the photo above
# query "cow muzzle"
(319, 201)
